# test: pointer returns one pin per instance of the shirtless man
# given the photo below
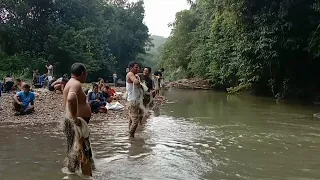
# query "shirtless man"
(76, 106)
(19, 85)
(59, 84)
(50, 69)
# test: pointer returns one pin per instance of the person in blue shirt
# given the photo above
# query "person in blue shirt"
(96, 100)
(24, 101)
(42, 80)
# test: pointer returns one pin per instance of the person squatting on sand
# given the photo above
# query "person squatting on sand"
(59, 84)
(77, 115)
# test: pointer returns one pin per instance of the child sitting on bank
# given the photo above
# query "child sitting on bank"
(96, 101)
(112, 93)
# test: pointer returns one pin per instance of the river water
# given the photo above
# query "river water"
(198, 135)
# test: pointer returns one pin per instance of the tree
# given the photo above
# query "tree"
(266, 47)
(104, 35)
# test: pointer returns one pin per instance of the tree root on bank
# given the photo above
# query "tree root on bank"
(194, 83)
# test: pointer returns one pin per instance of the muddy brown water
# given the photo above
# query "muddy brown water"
(198, 135)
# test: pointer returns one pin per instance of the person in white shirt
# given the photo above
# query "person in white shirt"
(115, 78)
(133, 95)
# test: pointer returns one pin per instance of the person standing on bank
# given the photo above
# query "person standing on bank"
(132, 87)
(49, 67)
(77, 115)
(115, 78)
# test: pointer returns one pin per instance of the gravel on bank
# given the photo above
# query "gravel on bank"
(48, 109)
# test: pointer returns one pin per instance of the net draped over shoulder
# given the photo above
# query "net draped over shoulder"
(78, 143)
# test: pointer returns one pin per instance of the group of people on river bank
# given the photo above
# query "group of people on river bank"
(99, 95)
(23, 98)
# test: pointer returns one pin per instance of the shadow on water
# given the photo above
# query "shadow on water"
(197, 135)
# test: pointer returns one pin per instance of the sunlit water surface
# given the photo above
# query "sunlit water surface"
(199, 135)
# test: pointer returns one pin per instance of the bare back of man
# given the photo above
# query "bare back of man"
(77, 115)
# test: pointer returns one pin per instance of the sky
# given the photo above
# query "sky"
(159, 13)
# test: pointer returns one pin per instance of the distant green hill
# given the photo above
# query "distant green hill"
(152, 57)
(157, 41)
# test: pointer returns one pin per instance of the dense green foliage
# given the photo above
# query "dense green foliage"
(267, 47)
(103, 34)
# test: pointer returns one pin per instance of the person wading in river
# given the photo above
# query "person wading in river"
(132, 86)
(149, 83)
(77, 115)
(158, 77)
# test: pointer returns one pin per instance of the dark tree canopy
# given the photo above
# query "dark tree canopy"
(267, 47)
(104, 35)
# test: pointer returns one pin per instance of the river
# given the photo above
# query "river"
(198, 135)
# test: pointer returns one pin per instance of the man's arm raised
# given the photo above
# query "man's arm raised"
(134, 79)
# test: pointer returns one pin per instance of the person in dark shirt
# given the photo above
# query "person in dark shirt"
(8, 83)
(159, 72)
(149, 83)
(106, 94)
(146, 77)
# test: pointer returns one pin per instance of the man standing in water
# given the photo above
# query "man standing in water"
(115, 78)
(149, 83)
(132, 86)
(76, 106)
(158, 80)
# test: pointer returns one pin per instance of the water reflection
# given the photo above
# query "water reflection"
(138, 148)
(156, 112)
